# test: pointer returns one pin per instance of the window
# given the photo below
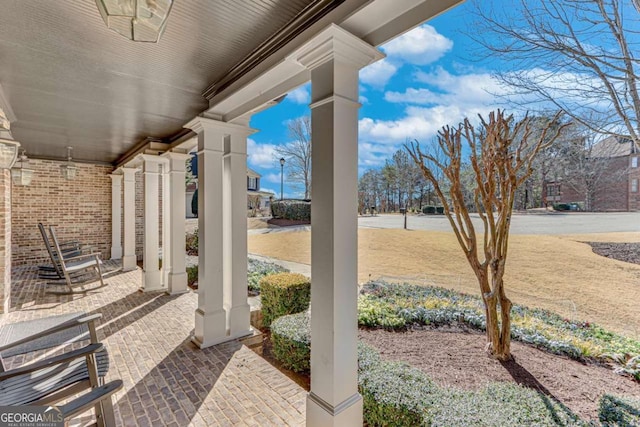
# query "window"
(553, 190)
(634, 162)
(634, 185)
(252, 183)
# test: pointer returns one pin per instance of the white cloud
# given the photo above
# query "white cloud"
(299, 95)
(418, 123)
(378, 73)
(273, 178)
(363, 99)
(474, 89)
(261, 155)
(372, 155)
(420, 46)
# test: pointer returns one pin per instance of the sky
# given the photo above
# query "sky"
(427, 80)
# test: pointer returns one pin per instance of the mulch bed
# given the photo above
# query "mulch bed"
(455, 356)
(286, 222)
(627, 252)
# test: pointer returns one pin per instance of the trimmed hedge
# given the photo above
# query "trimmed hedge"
(299, 210)
(259, 269)
(429, 210)
(619, 411)
(291, 340)
(283, 293)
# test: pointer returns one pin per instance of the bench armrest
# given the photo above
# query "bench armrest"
(61, 327)
(88, 401)
(83, 256)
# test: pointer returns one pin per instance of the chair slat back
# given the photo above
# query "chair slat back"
(55, 258)
(56, 246)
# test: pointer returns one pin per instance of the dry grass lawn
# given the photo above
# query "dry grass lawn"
(558, 273)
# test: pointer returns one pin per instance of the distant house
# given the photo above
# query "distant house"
(254, 194)
(617, 183)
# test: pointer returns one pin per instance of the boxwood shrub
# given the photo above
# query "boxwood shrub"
(283, 293)
(299, 210)
(430, 210)
(258, 269)
(291, 341)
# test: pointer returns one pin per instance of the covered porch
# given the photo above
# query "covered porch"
(167, 380)
(148, 109)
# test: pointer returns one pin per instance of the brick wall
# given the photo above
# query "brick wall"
(611, 192)
(5, 241)
(80, 209)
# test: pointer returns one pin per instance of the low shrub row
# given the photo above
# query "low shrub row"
(394, 306)
(256, 270)
(298, 210)
(619, 411)
(397, 395)
(561, 207)
(283, 293)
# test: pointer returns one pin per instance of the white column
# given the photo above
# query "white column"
(334, 57)
(129, 261)
(177, 277)
(210, 316)
(223, 312)
(166, 225)
(116, 215)
(238, 310)
(151, 277)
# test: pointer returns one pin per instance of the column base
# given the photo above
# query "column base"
(210, 328)
(129, 262)
(116, 252)
(322, 414)
(240, 320)
(177, 283)
(151, 281)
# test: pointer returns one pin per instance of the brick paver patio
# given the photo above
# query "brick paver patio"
(167, 380)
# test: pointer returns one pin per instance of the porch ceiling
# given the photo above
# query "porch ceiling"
(73, 82)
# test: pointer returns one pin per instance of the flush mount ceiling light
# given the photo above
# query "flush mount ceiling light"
(21, 174)
(69, 169)
(8, 145)
(137, 20)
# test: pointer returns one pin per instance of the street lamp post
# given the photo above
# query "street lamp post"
(282, 161)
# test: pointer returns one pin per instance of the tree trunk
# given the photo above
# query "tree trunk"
(498, 330)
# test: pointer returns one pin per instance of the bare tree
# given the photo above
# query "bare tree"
(297, 153)
(578, 55)
(501, 153)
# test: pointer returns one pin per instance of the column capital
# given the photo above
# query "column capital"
(204, 124)
(335, 43)
(152, 158)
(172, 155)
(128, 171)
(116, 177)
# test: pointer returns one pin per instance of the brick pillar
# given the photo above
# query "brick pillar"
(5, 241)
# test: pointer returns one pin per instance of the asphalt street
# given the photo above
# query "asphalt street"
(539, 223)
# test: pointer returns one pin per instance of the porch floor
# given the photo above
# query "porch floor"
(167, 380)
